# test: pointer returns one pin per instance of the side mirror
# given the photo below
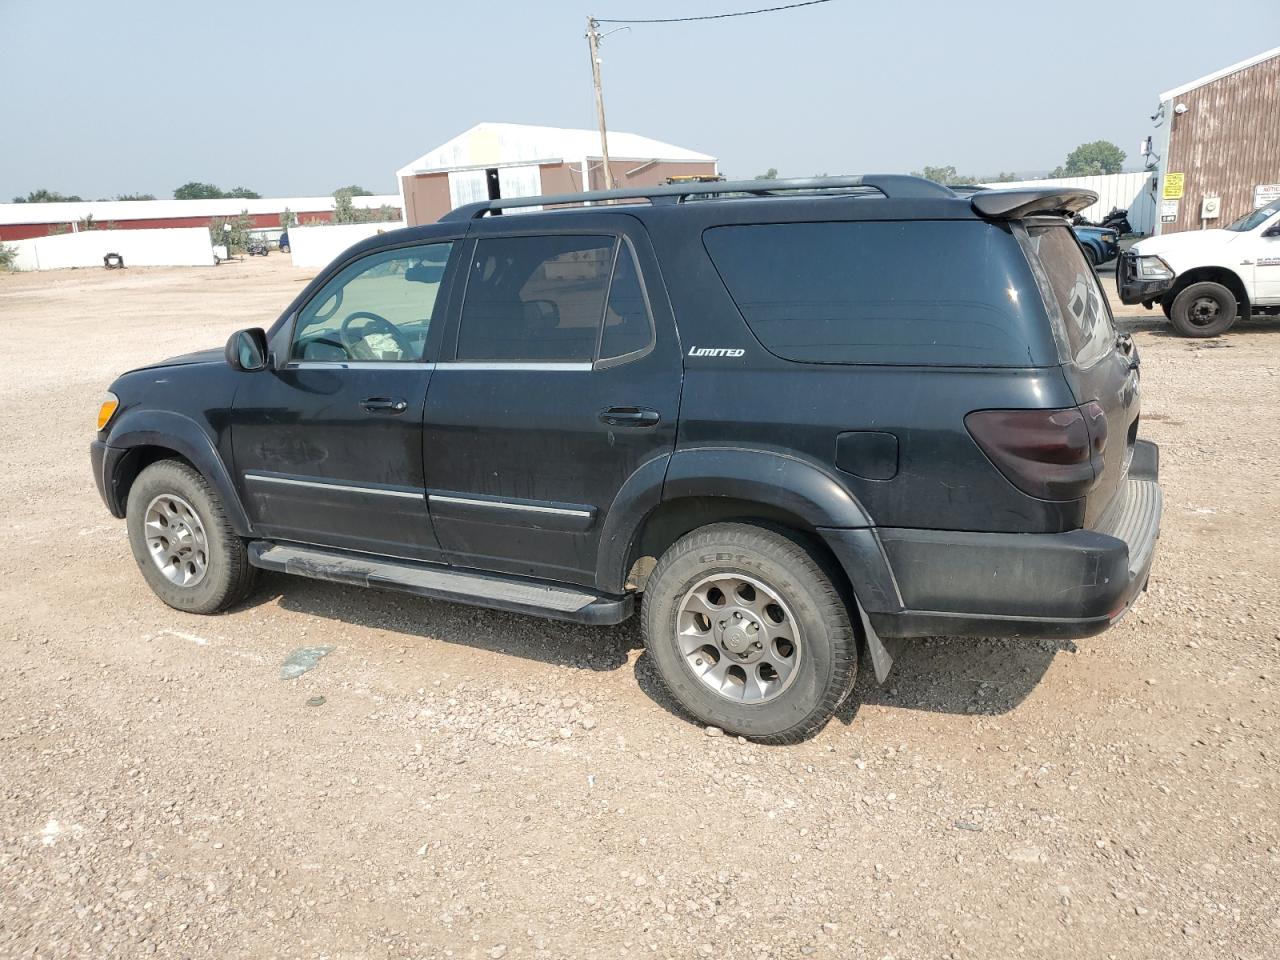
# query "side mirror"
(1272, 231)
(247, 350)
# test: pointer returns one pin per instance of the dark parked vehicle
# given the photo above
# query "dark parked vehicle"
(1100, 244)
(794, 417)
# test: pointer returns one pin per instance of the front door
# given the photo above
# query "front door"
(560, 380)
(1264, 251)
(328, 446)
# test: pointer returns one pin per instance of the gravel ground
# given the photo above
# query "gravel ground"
(475, 784)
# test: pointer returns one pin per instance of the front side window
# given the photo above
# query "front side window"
(538, 299)
(1086, 319)
(378, 308)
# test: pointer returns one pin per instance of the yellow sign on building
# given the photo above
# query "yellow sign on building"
(1174, 183)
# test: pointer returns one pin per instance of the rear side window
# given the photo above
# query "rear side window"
(909, 292)
(535, 298)
(1086, 319)
(627, 326)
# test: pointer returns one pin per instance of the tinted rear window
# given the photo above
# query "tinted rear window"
(1086, 318)
(911, 292)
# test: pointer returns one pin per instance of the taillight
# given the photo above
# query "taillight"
(1049, 454)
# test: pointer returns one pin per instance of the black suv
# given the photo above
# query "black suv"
(791, 415)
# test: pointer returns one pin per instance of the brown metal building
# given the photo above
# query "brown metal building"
(518, 160)
(1220, 138)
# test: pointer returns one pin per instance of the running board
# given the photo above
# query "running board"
(514, 594)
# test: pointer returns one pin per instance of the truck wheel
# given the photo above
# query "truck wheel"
(748, 633)
(1204, 309)
(182, 541)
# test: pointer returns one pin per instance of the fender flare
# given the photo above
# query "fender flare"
(781, 480)
(182, 435)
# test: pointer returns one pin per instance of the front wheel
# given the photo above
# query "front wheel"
(1204, 309)
(182, 541)
(748, 632)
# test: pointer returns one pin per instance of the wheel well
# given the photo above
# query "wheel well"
(672, 519)
(135, 461)
(1228, 278)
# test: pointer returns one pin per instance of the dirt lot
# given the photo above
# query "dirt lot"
(483, 785)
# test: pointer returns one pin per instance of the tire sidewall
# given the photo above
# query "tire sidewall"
(169, 477)
(1180, 313)
(799, 702)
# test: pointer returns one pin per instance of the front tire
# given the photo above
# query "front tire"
(1204, 309)
(182, 541)
(748, 633)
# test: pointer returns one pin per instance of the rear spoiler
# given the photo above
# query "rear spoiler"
(1022, 202)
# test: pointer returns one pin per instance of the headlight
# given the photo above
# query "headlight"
(108, 410)
(1108, 238)
(1153, 268)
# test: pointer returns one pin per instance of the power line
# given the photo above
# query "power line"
(722, 16)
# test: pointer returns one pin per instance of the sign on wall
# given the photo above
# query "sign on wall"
(1174, 184)
(1210, 208)
(1168, 211)
(1264, 193)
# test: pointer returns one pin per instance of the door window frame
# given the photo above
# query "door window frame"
(441, 312)
(448, 356)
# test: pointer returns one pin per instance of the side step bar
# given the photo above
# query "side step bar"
(514, 594)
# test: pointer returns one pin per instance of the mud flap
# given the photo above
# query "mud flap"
(881, 660)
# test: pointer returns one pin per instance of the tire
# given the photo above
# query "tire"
(780, 707)
(1204, 309)
(177, 498)
(1090, 255)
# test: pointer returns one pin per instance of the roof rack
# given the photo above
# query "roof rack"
(894, 186)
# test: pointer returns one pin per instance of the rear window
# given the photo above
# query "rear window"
(903, 292)
(1086, 319)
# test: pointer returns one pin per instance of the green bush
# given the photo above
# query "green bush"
(8, 257)
(240, 227)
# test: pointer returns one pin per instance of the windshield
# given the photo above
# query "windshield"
(1255, 219)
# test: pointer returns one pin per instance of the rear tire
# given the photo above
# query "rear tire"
(183, 542)
(775, 689)
(1204, 309)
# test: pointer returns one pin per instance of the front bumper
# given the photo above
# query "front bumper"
(1063, 585)
(1131, 289)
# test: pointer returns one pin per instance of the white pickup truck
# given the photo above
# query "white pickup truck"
(1206, 279)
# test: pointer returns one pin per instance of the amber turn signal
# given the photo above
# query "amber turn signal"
(108, 410)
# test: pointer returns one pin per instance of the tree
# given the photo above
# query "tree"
(46, 196)
(288, 219)
(1092, 160)
(770, 174)
(238, 236)
(353, 191)
(344, 211)
(136, 196)
(194, 190)
(8, 257)
(946, 176)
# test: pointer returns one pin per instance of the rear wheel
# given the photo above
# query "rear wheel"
(1204, 309)
(183, 542)
(748, 632)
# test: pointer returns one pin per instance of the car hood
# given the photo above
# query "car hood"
(214, 355)
(1183, 245)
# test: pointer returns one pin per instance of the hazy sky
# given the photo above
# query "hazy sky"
(297, 98)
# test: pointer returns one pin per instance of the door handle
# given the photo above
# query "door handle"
(630, 417)
(385, 405)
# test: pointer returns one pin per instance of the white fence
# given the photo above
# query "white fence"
(175, 247)
(317, 245)
(1135, 192)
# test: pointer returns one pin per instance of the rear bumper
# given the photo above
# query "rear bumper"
(1065, 585)
(1131, 289)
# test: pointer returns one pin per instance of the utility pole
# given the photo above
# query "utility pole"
(593, 41)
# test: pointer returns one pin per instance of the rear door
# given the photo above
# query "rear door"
(559, 381)
(1099, 365)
